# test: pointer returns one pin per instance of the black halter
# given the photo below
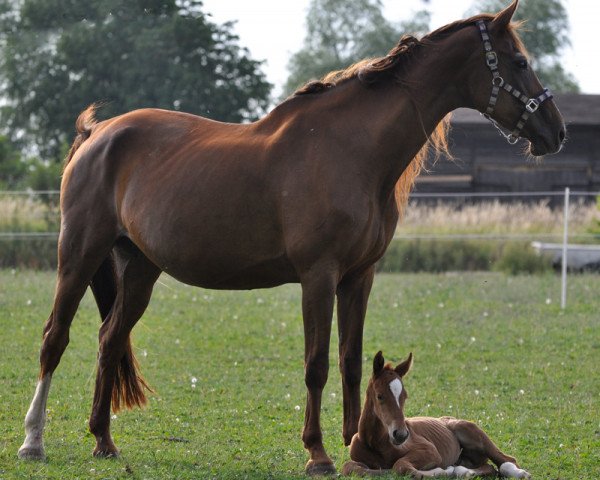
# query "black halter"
(531, 104)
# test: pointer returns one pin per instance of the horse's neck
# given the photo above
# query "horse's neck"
(392, 121)
(370, 428)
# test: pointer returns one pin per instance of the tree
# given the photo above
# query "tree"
(545, 33)
(58, 56)
(341, 32)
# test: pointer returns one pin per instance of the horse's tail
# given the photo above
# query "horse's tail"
(129, 386)
(84, 126)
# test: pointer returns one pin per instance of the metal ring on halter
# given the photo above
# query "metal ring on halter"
(512, 138)
(500, 82)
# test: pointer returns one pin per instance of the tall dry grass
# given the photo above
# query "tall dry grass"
(496, 217)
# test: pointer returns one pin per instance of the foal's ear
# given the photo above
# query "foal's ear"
(403, 368)
(378, 363)
(502, 19)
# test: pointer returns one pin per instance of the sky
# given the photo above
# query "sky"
(274, 29)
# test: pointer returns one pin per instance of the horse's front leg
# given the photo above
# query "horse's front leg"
(353, 295)
(318, 290)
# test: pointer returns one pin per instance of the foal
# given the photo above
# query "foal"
(421, 447)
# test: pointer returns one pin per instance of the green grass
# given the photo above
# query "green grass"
(491, 348)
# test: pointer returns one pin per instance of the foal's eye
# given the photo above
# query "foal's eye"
(379, 397)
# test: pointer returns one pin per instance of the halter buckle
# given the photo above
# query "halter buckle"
(532, 105)
(498, 81)
(491, 59)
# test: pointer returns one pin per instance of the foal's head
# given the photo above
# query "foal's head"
(387, 395)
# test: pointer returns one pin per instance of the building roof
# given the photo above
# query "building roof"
(577, 109)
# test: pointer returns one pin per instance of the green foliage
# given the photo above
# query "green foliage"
(12, 167)
(488, 347)
(461, 255)
(342, 32)
(58, 56)
(521, 258)
(545, 34)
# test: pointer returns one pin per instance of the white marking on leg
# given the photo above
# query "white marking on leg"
(33, 446)
(436, 472)
(509, 469)
(463, 472)
(396, 388)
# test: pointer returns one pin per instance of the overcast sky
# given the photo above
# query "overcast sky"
(274, 29)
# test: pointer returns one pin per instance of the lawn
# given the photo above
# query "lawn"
(228, 373)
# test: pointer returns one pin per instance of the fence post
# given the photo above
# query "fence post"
(563, 293)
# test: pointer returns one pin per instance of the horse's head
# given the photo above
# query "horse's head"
(387, 395)
(503, 86)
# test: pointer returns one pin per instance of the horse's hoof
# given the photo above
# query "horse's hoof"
(320, 469)
(31, 453)
(105, 453)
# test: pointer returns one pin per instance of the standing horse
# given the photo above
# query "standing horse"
(305, 194)
(421, 447)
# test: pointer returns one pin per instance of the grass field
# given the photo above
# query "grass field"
(228, 373)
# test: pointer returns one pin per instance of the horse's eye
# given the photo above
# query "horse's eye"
(522, 63)
(379, 397)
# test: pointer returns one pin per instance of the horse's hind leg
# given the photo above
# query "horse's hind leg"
(78, 262)
(117, 378)
(477, 448)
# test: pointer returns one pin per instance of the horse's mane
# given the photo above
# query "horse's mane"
(373, 71)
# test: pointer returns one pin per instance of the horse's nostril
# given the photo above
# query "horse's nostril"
(399, 435)
(561, 135)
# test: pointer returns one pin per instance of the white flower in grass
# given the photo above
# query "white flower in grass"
(522, 392)
(548, 301)
(297, 408)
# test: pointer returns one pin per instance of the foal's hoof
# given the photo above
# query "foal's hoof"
(31, 453)
(320, 469)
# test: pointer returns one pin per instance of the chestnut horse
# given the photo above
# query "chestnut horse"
(305, 194)
(420, 447)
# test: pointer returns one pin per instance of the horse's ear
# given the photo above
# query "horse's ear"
(502, 19)
(403, 368)
(378, 363)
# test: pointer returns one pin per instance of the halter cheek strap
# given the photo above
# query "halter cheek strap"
(531, 104)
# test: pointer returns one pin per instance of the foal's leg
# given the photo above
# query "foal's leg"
(79, 257)
(317, 309)
(353, 295)
(477, 448)
(136, 276)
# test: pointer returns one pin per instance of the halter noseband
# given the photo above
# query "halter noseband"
(531, 104)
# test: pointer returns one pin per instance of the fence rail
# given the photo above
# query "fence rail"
(46, 213)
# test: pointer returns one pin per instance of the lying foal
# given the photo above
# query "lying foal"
(419, 446)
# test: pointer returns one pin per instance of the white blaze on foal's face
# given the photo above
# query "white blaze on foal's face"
(396, 388)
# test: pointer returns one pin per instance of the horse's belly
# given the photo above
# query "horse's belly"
(225, 275)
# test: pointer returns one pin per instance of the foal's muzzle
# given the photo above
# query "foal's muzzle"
(399, 436)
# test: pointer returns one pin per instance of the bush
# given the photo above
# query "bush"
(461, 255)
(518, 258)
